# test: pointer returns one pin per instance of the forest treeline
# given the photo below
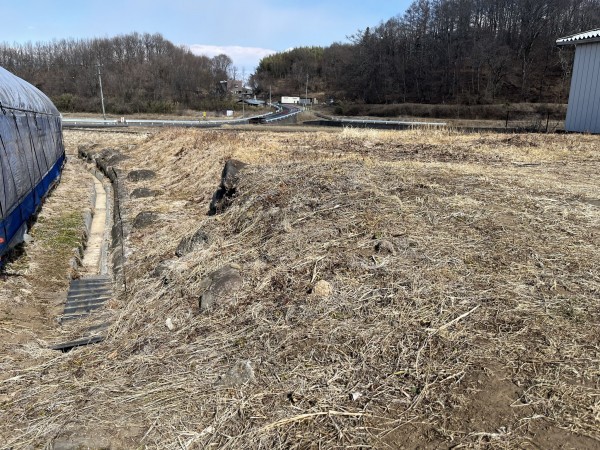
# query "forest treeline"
(444, 51)
(438, 51)
(140, 73)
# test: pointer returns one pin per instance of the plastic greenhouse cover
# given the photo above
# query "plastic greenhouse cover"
(31, 155)
(16, 93)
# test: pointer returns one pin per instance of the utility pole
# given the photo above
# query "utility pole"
(243, 92)
(306, 94)
(270, 102)
(101, 93)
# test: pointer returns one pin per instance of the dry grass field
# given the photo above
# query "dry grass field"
(416, 289)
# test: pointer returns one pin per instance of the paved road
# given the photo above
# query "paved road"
(281, 113)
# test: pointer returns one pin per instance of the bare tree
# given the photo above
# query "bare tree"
(140, 72)
(446, 51)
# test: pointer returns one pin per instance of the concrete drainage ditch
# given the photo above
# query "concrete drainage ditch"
(89, 293)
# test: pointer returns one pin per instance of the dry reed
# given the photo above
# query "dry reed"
(464, 304)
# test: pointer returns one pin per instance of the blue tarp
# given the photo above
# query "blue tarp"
(31, 155)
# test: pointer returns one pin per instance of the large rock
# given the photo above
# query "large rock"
(144, 219)
(87, 151)
(141, 174)
(106, 160)
(230, 173)
(229, 178)
(143, 193)
(219, 286)
(189, 243)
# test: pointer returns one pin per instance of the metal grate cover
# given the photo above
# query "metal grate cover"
(85, 296)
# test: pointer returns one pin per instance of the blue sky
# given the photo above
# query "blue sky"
(246, 30)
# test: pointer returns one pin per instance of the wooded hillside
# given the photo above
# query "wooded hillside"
(452, 51)
(140, 73)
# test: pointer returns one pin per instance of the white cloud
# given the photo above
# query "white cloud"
(243, 57)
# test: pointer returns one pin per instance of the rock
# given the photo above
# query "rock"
(229, 178)
(141, 174)
(189, 243)
(98, 437)
(144, 219)
(241, 373)
(111, 156)
(118, 260)
(322, 289)
(220, 201)
(85, 152)
(79, 442)
(143, 193)
(107, 159)
(230, 173)
(355, 396)
(385, 247)
(116, 233)
(163, 271)
(220, 285)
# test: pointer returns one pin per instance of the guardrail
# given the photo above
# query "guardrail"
(282, 113)
(99, 123)
(390, 123)
(117, 123)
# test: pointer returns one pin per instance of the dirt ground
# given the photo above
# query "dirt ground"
(33, 286)
(414, 289)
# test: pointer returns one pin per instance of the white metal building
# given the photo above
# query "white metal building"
(290, 100)
(583, 112)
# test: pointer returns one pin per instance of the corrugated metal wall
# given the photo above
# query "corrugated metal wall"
(583, 113)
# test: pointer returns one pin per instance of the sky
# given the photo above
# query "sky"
(245, 30)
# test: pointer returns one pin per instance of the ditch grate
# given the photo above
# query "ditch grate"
(84, 298)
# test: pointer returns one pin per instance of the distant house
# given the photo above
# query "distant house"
(308, 101)
(253, 102)
(236, 87)
(583, 112)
